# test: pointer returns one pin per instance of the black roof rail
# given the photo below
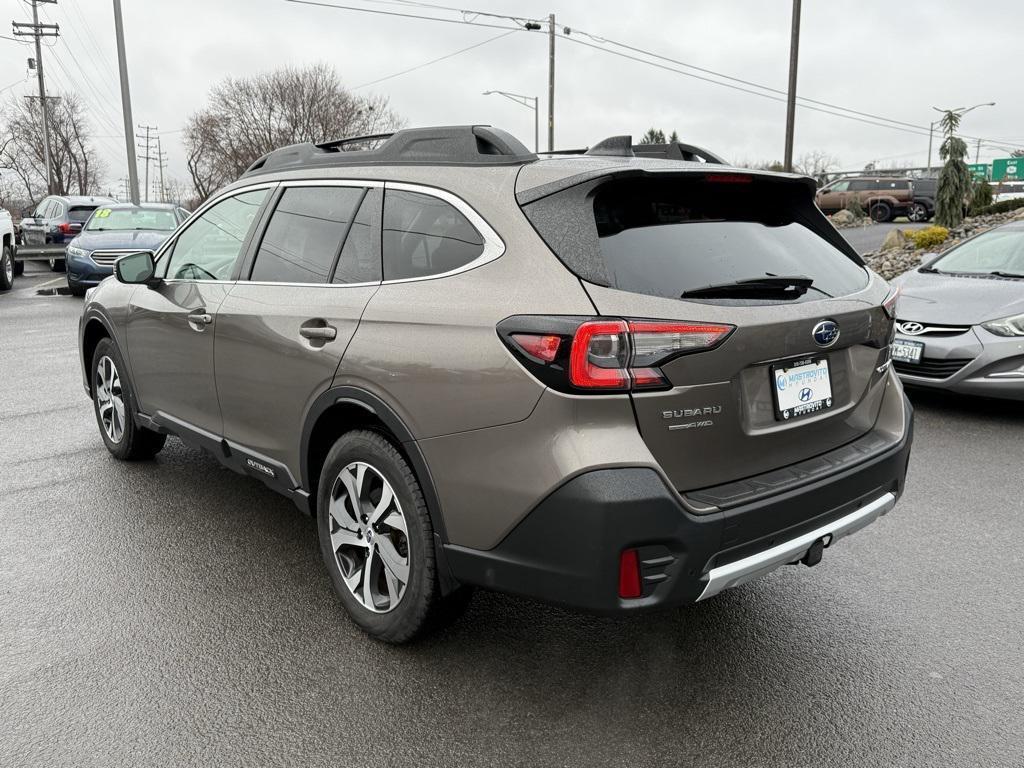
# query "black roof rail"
(677, 151)
(444, 145)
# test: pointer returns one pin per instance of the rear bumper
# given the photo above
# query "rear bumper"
(567, 550)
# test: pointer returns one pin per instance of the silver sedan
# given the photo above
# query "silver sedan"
(960, 323)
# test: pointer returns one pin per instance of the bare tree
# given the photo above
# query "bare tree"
(76, 167)
(817, 164)
(246, 118)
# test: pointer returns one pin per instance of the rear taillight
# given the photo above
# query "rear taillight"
(66, 228)
(604, 355)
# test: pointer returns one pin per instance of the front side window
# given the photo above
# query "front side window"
(208, 249)
(305, 234)
(839, 186)
(424, 235)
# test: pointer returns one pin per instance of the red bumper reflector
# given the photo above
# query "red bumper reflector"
(629, 574)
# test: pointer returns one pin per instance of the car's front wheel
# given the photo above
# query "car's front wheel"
(377, 540)
(114, 404)
(57, 265)
(6, 268)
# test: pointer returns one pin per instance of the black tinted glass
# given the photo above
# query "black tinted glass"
(305, 234)
(663, 238)
(424, 235)
(861, 184)
(81, 212)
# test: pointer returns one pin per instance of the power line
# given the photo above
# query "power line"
(403, 15)
(435, 61)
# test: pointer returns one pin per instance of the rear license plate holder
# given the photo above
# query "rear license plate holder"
(801, 388)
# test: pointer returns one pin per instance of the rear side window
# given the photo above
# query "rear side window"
(424, 235)
(663, 238)
(860, 185)
(305, 234)
(81, 212)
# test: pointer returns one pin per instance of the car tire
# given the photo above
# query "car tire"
(881, 212)
(917, 212)
(19, 268)
(369, 546)
(6, 269)
(57, 265)
(115, 407)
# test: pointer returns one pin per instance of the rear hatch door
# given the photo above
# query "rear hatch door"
(803, 370)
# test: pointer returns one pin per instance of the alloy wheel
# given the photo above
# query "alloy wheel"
(917, 212)
(110, 399)
(369, 537)
(8, 268)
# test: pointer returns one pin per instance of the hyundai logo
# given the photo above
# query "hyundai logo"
(911, 328)
(806, 394)
(826, 333)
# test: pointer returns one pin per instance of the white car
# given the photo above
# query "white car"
(7, 254)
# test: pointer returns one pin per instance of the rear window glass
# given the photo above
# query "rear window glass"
(305, 234)
(423, 235)
(664, 237)
(81, 212)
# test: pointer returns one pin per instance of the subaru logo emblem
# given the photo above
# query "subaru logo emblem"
(806, 394)
(911, 328)
(826, 333)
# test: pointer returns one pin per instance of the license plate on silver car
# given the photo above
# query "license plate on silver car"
(801, 388)
(907, 351)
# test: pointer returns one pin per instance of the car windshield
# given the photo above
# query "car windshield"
(132, 218)
(1000, 250)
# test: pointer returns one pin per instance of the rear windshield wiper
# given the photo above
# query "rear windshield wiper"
(772, 286)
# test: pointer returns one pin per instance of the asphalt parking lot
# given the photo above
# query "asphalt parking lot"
(173, 613)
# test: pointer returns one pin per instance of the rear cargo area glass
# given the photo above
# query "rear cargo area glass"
(662, 238)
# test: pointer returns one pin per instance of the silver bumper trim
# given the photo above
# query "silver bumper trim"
(762, 563)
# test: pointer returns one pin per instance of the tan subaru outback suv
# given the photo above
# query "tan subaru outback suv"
(609, 382)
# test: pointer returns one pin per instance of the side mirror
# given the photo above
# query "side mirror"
(136, 268)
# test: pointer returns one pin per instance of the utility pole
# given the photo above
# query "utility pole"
(147, 148)
(126, 106)
(161, 162)
(551, 82)
(931, 132)
(977, 152)
(794, 48)
(39, 31)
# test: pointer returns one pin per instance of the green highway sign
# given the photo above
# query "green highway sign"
(1008, 169)
(979, 171)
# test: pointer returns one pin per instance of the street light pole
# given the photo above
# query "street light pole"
(551, 82)
(530, 102)
(794, 48)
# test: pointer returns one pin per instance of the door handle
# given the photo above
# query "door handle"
(322, 333)
(200, 318)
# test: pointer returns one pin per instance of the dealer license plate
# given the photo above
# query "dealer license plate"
(801, 388)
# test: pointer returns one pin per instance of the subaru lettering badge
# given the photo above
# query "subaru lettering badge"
(826, 333)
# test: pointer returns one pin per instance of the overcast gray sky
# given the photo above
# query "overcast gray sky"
(890, 59)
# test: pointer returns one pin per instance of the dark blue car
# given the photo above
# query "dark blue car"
(113, 231)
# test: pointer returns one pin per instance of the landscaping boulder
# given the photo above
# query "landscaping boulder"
(895, 239)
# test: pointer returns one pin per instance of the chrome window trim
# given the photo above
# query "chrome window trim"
(494, 246)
